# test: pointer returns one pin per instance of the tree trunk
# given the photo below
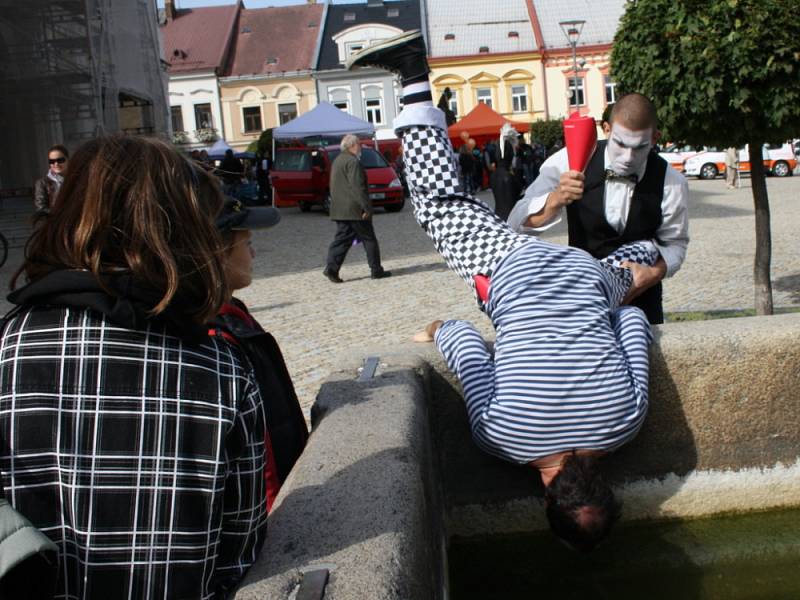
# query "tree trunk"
(761, 267)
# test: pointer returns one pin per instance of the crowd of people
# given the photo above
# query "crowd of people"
(147, 419)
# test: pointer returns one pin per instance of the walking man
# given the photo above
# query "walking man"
(731, 167)
(351, 210)
(568, 380)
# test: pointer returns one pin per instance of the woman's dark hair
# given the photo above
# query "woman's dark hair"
(59, 148)
(580, 505)
(135, 205)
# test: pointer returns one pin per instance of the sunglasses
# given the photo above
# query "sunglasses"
(60, 160)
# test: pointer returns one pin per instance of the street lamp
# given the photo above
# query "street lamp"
(572, 30)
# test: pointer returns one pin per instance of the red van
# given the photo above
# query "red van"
(301, 175)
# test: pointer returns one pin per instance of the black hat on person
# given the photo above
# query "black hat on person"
(235, 216)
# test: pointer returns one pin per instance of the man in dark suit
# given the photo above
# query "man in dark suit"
(351, 210)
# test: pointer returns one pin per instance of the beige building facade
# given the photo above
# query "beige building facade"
(251, 104)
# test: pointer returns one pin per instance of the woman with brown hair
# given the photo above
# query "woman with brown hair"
(130, 437)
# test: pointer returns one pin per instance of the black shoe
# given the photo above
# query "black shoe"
(381, 274)
(333, 277)
(403, 54)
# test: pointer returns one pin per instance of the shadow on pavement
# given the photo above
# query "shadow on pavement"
(791, 284)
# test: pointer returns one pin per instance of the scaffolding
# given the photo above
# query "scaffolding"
(58, 80)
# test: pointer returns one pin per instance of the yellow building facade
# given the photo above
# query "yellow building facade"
(253, 104)
(512, 84)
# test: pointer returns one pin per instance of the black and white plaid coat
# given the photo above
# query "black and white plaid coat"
(141, 456)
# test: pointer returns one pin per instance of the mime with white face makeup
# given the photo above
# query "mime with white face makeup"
(626, 193)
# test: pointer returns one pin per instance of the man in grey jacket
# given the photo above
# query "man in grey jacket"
(351, 210)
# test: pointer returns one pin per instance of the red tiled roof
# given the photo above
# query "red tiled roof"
(273, 40)
(198, 38)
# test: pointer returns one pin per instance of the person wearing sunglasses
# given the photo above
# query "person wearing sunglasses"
(46, 189)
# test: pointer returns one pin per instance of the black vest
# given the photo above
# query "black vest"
(590, 231)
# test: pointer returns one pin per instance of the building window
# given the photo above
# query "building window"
(485, 96)
(373, 107)
(176, 112)
(393, 12)
(349, 16)
(571, 92)
(519, 98)
(353, 47)
(203, 119)
(453, 103)
(251, 116)
(611, 89)
(342, 105)
(286, 112)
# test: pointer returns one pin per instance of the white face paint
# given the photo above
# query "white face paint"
(628, 150)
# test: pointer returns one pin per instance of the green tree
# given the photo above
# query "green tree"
(722, 73)
(547, 132)
(263, 143)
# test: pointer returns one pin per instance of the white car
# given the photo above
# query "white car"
(779, 160)
(676, 155)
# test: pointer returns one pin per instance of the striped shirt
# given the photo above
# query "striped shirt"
(568, 372)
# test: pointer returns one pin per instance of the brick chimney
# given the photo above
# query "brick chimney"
(169, 10)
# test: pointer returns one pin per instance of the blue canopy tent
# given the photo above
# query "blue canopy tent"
(325, 120)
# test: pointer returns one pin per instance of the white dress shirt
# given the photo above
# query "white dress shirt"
(672, 237)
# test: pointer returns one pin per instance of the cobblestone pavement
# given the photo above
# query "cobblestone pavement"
(317, 323)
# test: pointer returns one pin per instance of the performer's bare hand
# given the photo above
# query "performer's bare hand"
(644, 277)
(427, 334)
(366, 216)
(570, 188)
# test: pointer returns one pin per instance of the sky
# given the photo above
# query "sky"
(248, 3)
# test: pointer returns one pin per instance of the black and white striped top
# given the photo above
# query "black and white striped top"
(569, 372)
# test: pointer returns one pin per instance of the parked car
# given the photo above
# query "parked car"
(676, 155)
(301, 177)
(779, 160)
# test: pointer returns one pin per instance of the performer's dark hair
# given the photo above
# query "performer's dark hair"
(581, 507)
(635, 111)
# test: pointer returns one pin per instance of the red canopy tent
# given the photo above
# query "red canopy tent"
(483, 124)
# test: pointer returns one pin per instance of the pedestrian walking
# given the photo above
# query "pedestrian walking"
(351, 210)
(731, 167)
(46, 189)
(131, 438)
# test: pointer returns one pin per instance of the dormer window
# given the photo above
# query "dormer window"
(246, 29)
(349, 16)
(271, 60)
(513, 34)
(484, 50)
(449, 36)
(393, 12)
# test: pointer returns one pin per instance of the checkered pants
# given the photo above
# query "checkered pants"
(465, 231)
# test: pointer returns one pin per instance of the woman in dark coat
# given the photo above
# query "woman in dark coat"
(504, 184)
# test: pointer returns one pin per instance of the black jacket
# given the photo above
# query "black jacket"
(285, 422)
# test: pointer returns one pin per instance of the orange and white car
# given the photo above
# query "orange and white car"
(676, 155)
(779, 160)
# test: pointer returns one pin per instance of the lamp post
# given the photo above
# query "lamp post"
(572, 30)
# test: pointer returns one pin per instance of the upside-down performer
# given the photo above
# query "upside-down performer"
(568, 379)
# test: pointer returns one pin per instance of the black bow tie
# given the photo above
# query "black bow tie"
(612, 176)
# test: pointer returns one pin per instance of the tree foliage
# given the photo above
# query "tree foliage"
(547, 132)
(263, 144)
(721, 72)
